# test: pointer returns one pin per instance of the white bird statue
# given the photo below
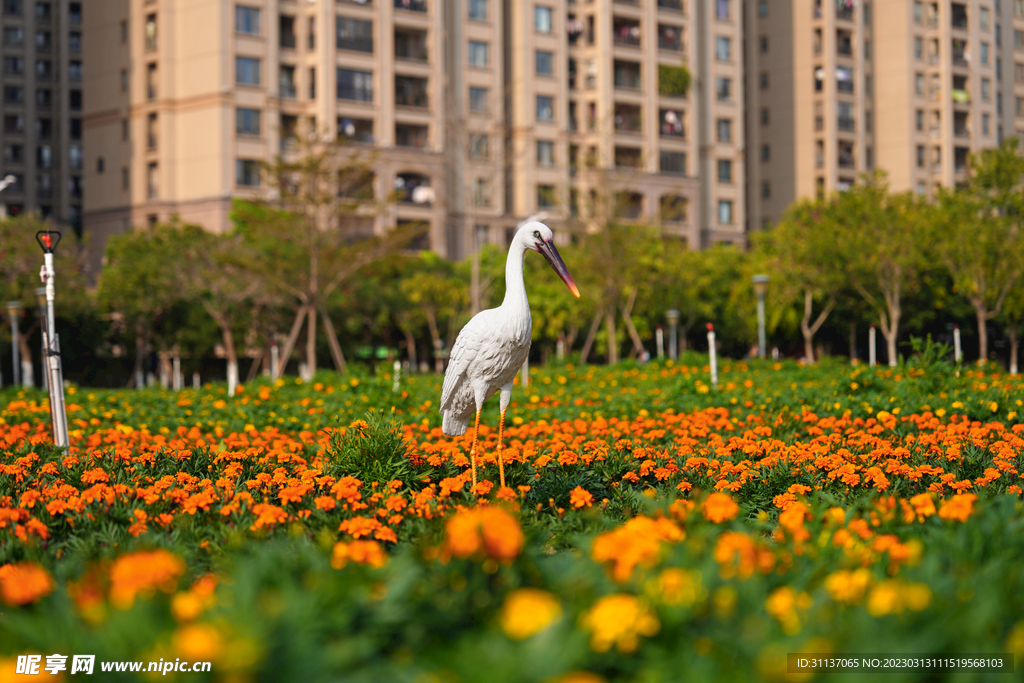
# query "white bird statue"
(492, 346)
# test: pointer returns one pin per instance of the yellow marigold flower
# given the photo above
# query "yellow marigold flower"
(848, 586)
(885, 598)
(528, 611)
(719, 507)
(923, 504)
(198, 642)
(581, 498)
(186, 606)
(361, 552)
(23, 583)
(958, 507)
(1015, 639)
(783, 604)
(619, 620)
(143, 572)
(676, 586)
(917, 596)
(489, 529)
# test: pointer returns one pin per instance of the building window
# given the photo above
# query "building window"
(765, 116)
(920, 156)
(985, 89)
(478, 99)
(124, 80)
(100, 165)
(150, 32)
(545, 108)
(672, 162)
(247, 172)
(764, 80)
(287, 82)
(724, 171)
(14, 94)
(545, 196)
(44, 98)
(355, 130)
(124, 130)
(74, 99)
(919, 119)
(247, 121)
(1018, 70)
(75, 71)
(919, 84)
(542, 19)
(14, 36)
(918, 12)
(723, 88)
(766, 152)
(355, 85)
(918, 48)
(14, 123)
(124, 31)
(74, 13)
(724, 212)
(478, 146)
(14, 66)
(247, 20)
(12, 7)
(354, 34)
(545, 153)
(247, 70)
(766, 190)
(983, 18)
(721, 9)
(481, 192)
(478, 10)
(151, 81)
(762, 8)
(985, 124)
(984, 53)
(723, 49)
(478, 53)
(152, 180)
(764, 44)
(286, 32)
(125, 178)
(545, 63)
(724, 128)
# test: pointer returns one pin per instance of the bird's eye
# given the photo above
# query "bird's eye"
(536, 233)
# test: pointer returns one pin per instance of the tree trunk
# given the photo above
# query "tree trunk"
(1013, 350)
(613, 344)
(638, 345)
(311, 341)
(591, 335)
(28, 377)
(289, 344)
(853, 341)
(140, 351)
(890, 346)
(808, 328)
(332, 340)
(410, 347)
(254, 368)
(982, 316)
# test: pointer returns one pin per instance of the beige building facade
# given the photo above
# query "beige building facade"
(837, 88)
(477, 113)
(41, 109)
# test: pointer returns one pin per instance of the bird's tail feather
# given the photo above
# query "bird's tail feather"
(453, 425)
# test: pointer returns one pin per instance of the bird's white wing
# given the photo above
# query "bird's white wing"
(464, 350)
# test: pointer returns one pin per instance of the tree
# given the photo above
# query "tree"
(884, 237)
(978, 233)
(437, 295)
(801, 255)
(141, 283)
(311, 237)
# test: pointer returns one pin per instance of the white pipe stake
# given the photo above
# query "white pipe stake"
(871, 346)
(713, 355)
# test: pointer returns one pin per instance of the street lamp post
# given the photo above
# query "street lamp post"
(760, 283)
(673, 320)
(41, 302)
(13, 313)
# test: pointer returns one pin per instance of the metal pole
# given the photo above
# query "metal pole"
(761, 337)
(13, 309)
(41, 300)
(58, 413)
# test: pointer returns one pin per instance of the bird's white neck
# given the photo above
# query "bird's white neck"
(515, 287)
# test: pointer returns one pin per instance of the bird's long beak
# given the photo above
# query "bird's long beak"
(551, 254)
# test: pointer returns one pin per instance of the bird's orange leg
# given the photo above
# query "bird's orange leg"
(501, 464)
(472, 451)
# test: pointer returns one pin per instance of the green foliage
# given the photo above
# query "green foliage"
(673, 81)
(374, 450)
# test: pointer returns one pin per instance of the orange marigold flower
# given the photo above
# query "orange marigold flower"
(361, 552)
(736, 553)
(719, 507)
(23, 583)
(267, 515)
(923, 505)
(958, 507)
(581, 498)
(489, 529)
(637, 542)
(143, 572)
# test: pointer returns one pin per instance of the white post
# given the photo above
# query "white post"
(560, 350)
(713, 355)
(526, 372)
(165, 380)
(871, 346)
(195, 381)
(957, 352)
(274, 359)
(140, 380)
(232, 378)
(178, 379)
(659, 340)
(396, 377)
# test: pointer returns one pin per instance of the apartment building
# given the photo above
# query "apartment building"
(41, 109)
(837, 88)
(478, 113)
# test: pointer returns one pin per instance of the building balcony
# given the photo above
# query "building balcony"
(676, 5)
(847, 123)
(411, 5)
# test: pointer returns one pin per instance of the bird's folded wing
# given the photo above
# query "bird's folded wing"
(464, 350)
